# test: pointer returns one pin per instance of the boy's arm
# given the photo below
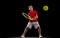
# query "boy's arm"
(35, 17)
(31, 18)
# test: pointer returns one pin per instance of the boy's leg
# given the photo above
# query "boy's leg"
(29, 26)
(37, 26)
(39, 30)
(25, 31)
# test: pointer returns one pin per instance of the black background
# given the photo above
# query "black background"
(13, 23)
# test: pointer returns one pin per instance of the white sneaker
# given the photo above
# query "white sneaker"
(22, 36)
(40, 36)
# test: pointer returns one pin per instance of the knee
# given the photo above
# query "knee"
(27, 28)
(38, 26)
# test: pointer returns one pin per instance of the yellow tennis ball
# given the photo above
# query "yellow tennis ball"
(45, 8)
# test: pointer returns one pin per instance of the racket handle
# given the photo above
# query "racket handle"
(30, 18)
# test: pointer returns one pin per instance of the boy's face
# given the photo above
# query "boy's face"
(30, 8)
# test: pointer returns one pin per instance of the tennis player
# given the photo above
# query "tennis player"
(33, 21)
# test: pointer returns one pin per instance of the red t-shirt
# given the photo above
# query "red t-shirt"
(32, 14)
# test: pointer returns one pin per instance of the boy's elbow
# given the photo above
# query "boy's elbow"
(37, 16)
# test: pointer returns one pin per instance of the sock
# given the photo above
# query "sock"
(39, 34)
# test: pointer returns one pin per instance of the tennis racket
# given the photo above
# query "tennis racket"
(26, 15)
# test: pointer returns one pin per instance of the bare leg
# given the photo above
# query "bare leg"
(39, 30)
(25, 31)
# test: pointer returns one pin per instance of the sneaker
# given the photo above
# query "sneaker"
(40, 35)
(22, 36)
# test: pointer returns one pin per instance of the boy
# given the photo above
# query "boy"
(32, 21)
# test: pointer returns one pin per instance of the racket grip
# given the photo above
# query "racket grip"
(30, 18)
